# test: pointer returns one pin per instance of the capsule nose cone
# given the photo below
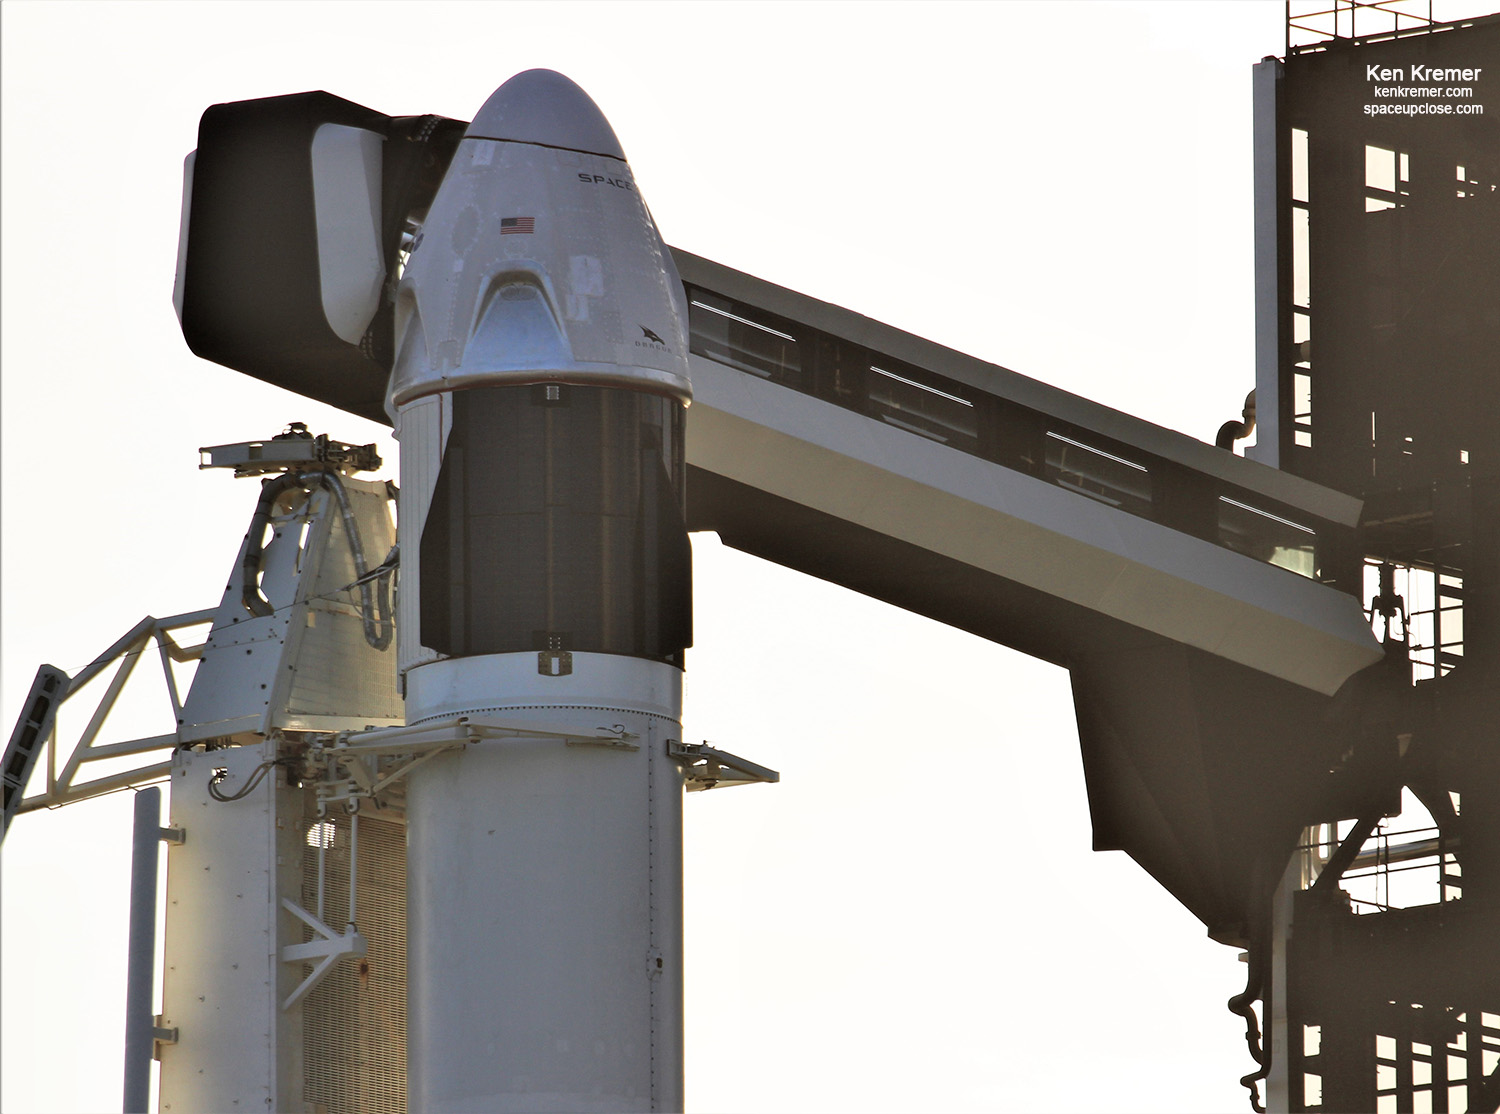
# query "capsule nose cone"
(542, 106)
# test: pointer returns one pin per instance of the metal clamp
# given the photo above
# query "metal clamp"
(704, 767)
(161, 1036)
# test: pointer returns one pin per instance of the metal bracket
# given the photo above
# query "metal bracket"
(161, 1036)
(292, 449)
(350, 762)
(174, 835)
(704, 767)
(460, 731)
(623, 741)
(328, 950)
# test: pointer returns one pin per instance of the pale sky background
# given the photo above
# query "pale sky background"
(913, 919)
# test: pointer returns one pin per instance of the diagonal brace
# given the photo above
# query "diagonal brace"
(328, 948)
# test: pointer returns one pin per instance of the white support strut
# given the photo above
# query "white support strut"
(327, 949)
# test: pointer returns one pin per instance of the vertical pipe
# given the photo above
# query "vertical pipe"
(1283, 1037)
(1270, 264)
(323, 840)
(139, 1016)
(353, 868)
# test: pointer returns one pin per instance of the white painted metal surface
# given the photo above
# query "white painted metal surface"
(544, 918)
(346, 200)
(306, 665)
(182, 232)
(423, 432)
(223, 980)
(538, 259)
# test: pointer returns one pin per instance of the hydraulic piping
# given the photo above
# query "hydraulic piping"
(1257, 947)
(1242, 1004)
(1230, 432)
(379, 638)
(270, 490)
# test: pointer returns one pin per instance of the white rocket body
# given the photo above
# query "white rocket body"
(538, 394)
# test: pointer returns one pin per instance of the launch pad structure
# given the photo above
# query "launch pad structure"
(402, 749)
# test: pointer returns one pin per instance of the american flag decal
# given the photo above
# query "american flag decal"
(509, 225)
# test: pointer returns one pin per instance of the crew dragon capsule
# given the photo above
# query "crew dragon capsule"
(538, 392)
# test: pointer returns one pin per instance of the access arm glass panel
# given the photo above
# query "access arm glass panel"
(1099, 474)
(726, 332)
(1267, 537)
(899, 398)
